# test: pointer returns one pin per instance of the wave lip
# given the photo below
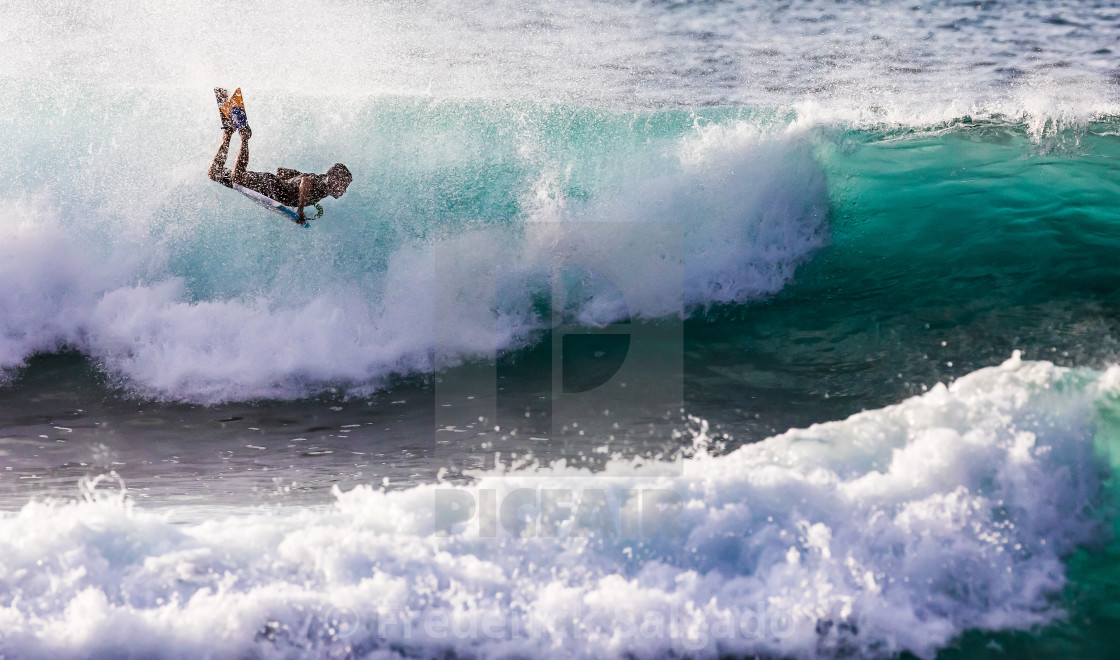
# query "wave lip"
(894, 530)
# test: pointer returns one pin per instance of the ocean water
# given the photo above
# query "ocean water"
(645, 330)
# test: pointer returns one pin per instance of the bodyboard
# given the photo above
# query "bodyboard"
(270, 204)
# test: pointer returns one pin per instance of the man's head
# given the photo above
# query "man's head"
(338, 180)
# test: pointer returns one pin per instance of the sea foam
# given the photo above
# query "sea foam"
(897, 529)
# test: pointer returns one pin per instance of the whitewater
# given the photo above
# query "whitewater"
(846, 538)
(645, 330)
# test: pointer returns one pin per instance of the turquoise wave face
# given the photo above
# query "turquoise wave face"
(950, 248)
(975, 210)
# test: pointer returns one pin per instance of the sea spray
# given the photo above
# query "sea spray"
(192, 295)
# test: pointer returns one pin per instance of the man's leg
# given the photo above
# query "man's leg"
(242, 159)
(219, 163)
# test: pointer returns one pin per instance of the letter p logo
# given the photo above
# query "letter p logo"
(607, 299)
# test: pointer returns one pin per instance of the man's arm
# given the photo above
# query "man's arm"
(304, 194)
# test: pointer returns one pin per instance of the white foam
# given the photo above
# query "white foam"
(897, 529)
(1044, 103)
(50, 281)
